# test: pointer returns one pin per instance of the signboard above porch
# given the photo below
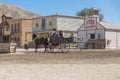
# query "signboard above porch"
(90, 23)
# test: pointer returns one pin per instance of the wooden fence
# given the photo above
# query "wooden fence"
(4, 47)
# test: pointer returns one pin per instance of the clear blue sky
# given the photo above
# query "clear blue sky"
(109, 8)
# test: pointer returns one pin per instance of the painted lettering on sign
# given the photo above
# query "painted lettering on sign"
(90, 23)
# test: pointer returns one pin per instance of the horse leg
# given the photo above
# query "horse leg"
(45, 48)
(36, 47)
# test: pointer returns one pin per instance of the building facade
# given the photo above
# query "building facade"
(68, 24)
(97, 34)
(15, 30)
(4, 29)
(91, 33)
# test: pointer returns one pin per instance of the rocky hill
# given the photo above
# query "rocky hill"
(15, 11)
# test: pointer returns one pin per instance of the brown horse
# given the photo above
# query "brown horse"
(41, 41)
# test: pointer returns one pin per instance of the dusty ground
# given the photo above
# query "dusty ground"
(85, 65)
(84, 57)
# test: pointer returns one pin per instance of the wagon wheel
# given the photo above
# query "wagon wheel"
(64, 47)
(50, 48)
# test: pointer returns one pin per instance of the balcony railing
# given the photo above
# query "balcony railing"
(6, 33)
(96, 44)
(14, 32)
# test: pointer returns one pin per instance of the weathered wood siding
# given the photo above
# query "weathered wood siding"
(118, 41)
(112, 36)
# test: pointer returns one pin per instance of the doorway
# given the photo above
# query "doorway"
(92, 36)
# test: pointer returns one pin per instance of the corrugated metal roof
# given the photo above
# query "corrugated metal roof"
(110, 26)
(73, 26)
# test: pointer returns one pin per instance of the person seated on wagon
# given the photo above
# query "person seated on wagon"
(54, 34)
(71, 37)
(61, 34)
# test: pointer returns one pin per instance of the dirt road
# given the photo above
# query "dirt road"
(84, 57)
(85, 65)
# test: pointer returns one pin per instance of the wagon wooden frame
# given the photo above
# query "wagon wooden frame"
(64, 45)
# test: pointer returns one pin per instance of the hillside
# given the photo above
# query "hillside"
(15, 11)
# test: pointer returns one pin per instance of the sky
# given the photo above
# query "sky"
(109, 8)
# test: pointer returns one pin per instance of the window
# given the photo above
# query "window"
(7, 28)
(3, 18)
(11, 27)
(43, 24)
(99, 36)
(92, 36)
(2, 30)
(37, 25)
(15, 27)
(18, 27)
(50, 23)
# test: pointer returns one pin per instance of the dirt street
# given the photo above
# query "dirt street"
(85, 65)
(84, 57)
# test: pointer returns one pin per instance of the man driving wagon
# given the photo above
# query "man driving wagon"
(56, 38)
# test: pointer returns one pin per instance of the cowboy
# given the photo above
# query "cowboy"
(54, 34)
(61, 34)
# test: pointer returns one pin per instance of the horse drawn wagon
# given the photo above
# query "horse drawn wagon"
(60, 43)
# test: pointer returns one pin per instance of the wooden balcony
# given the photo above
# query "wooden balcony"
(6, 32)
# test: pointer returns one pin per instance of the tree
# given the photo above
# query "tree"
(101, 17)
(84, 12)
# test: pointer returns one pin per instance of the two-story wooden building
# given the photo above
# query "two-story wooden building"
(15, 30)
(45, 24)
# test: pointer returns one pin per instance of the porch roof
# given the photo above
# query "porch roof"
(110, 26)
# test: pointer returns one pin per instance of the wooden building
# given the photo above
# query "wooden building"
(4, 29)
(15, 30)
(97, 34)
(68, 24)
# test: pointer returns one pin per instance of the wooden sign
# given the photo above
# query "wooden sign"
(90, 23)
